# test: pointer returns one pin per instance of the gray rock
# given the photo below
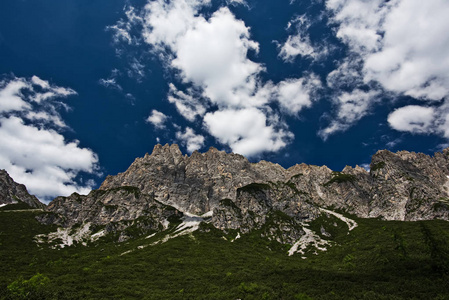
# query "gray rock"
(12, 192)
(260, 196)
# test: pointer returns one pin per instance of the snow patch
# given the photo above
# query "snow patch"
(310, 238)
(68, 236)
(351, 223)
(151, 235)
(209, 214)
(126, 252)
(237, 237)
(97, 235)
(190, 223)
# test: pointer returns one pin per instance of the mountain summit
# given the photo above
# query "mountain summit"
(12, 192)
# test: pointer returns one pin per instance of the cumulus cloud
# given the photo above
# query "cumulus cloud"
(157, 118)
(413, 118)
(401, 46)
(413, 58)
(209, 55)
(32, 149)
(213, 55)
(422, 119)
(190, 140)
(246, 131)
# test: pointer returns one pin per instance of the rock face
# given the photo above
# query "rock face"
(12, 192)
(195, 184)
(116, 209)
(247, 196)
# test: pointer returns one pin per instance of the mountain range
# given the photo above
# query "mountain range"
(166, 189)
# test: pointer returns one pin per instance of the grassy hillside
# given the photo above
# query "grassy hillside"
(377, 260)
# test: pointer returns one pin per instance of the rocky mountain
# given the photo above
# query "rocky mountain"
(12, 192)
(232, 194)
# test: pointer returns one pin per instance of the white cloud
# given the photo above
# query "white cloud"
(241, 2)
(42, 83)
(413, 118)
(186, 104)
(165, 22)
(421, 119)
(191, 140)
(347, 75)
(246, 131)
(31, 150)
(11, 96)
(213, 55)
(110, 83)
(46, 118)
(210, 57)
(351, 107)
(157, 118)
(359, 22)
(413, 58)
(299, 43)
(49, 91)
(123, 27)
(399, 45)
(295, 94)
(136, 70)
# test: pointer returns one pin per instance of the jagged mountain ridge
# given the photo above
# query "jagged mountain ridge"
(400, 186)
(238, 195)
(12, 192)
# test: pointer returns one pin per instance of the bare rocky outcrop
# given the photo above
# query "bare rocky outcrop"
(115, 209)
(409, 186)
(197, 183)
(12, 192)
(261, 196)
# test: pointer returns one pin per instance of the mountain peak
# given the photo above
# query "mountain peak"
(12, 192)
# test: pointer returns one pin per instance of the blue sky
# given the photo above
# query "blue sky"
(87, 86)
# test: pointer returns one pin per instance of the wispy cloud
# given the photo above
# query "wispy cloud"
(111, 81)
(350, 107)
(299, 43)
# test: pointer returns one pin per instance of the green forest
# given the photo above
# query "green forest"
(377, 260)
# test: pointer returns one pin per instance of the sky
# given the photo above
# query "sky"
(87, 86)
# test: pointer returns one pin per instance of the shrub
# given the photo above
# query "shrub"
(339, 177)
(31, 288)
